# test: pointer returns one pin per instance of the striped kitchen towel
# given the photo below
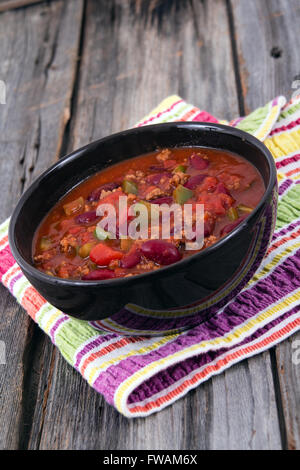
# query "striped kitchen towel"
(140, 375)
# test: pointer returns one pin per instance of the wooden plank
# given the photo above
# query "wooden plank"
(268, 53)
(246, 421)
(289, 380)
(259, 28)
(6, 5)
(134, 55)
(38, 50)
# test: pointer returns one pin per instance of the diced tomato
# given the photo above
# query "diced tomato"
(217, 204)
(170, 164)
(85, 237)
(102, 254)
(74, 230)
(124, 216)
(112, 198)
(231, 180)
(65, 224)
(209, 184)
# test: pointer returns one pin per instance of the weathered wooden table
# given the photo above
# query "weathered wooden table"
(78, 70)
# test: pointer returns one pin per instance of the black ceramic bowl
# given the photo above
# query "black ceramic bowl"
(171, 298)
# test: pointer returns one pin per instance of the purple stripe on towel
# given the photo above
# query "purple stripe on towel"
(13, 281)
(281, 282)
(285, 230)
(91, 345)
(284, 186)
(176, 372)
(56, 325)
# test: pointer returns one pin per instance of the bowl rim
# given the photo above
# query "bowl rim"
(116, 282)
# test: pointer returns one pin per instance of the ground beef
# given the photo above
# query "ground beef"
(115, 263)
(44, 256)
(208, 241)
(131, 176)
(65, 270)
(82, 270)
(146, 265)
(178, 178)
(154, 193)
(68, 244)
(231, 181)
(163, 155)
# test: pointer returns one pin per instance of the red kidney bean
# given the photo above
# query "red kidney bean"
(95, 194)
(228, 228)
(160, 252)
(197, 162)
(194, 181)
(131, 259)
(163, 200)
(99, 275)
(208, 227)
(156, 168)
(156, 177)
(221, 188)
(86, 217)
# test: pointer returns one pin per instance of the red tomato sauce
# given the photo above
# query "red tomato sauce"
(69, 245)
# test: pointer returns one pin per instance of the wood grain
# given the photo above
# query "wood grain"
(6, 5)
(38, 49)
(114, 62)
(153, 49)
(289, 380)
(259, 28)
(268, 52)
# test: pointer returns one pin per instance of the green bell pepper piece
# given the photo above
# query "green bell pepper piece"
(129, 187)
(182, 194)
(232, 213)
(102, 234)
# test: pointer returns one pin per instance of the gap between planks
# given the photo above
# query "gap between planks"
(14, 4)
(61, 152)
(242, 108)
(36, 343)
